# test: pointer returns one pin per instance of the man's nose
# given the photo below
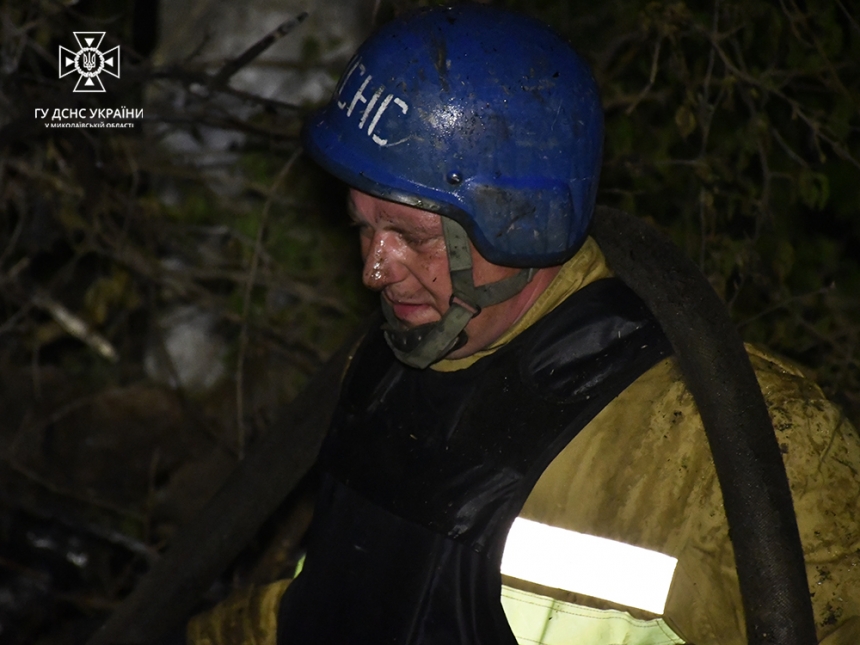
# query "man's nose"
(381, 266)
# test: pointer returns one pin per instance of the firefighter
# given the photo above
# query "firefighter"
(515, 457)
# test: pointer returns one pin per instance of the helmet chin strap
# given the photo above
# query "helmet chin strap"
(425, 344)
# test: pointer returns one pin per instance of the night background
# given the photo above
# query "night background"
(167, 289)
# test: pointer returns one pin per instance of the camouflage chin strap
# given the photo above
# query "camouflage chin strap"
(424, 345)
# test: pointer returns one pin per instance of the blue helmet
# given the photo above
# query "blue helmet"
(481, 115)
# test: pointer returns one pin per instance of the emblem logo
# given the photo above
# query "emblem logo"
(89, 61)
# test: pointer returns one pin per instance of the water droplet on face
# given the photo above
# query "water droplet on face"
(375, 273)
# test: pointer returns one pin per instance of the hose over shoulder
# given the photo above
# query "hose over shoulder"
(204, 547)
(756, 495)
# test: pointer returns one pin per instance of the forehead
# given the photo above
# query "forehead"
(376, 211)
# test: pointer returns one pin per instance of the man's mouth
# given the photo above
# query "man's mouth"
(412, 313)
(406, 310)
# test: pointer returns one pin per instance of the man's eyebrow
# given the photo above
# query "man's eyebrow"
(392, 222)
(407, 225)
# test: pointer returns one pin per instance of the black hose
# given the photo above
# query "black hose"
(716, 368)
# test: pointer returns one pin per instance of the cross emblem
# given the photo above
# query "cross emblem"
(89, 61)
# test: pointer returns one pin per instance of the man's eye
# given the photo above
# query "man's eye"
(363, 228)
(417, 240)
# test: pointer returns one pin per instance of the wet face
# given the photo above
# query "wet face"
(404, 256)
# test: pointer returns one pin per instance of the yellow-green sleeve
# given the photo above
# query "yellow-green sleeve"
(247, 617)
(641, 473)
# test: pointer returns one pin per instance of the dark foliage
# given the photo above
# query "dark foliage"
(733, 126)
